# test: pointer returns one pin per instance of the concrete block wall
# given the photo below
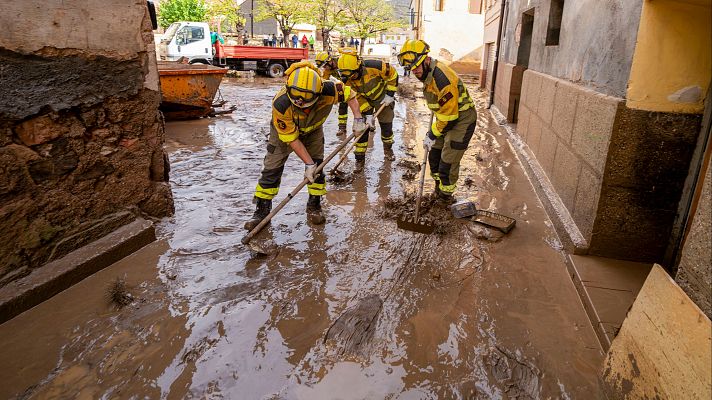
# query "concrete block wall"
(508, 90)
(568, 128)
(81, 137)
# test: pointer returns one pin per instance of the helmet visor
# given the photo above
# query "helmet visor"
(410, 59)
(300, 97)
(347, 74)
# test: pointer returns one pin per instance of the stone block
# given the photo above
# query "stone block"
(534, 90)
(39, 130)
(586, 202)
(547, 149)
(564, 110)
(546, 98)
(565, 176)
(534, 134)
(525, 84)
(523, 121)
(595, 114)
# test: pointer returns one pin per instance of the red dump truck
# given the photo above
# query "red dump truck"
(192, 41)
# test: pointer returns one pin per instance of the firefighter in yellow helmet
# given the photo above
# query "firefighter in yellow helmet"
(329, 69)
(376, 83)
(454, 119)
(299, 110)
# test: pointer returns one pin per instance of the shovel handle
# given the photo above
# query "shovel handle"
(422, 178)
(346, 154)
(246, 239)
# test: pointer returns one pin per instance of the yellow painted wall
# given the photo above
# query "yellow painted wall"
(673, 52)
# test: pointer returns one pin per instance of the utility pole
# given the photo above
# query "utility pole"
(252, 18)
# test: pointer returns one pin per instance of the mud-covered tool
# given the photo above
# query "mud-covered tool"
(335, 170)
(415, 225)
(247, 238)
(491, 219)
(463, 209)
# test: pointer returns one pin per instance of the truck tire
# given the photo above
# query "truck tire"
(275, 70)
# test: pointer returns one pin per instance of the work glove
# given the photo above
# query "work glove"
(388, 100)
(310, 172)
(369, 122)
(428, 141)
(359, 126)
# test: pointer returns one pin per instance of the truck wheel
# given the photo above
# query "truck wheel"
(275, 70)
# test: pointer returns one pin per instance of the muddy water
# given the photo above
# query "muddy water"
(353, 309)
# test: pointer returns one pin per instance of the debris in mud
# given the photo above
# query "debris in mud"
(356, 326)
(432, 212)
(469, 182)
(340, 177)
(519, 379)
(409, 165)
(118, 294)
(484, 233)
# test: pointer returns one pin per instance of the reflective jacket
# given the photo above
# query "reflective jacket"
(446, 96)
(291, 121)
(377, 79)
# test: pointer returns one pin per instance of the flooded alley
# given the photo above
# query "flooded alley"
(353, 309)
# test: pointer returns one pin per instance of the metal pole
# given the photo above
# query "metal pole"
(252, 18)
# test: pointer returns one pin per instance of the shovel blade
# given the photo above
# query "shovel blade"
(414, 226)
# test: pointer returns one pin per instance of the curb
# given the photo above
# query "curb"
(45, 282)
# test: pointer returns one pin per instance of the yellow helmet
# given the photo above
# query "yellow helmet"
(413, 53)
(322, 58)
(349, 66)
(303, 84)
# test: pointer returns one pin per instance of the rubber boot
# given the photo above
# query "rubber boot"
(342, 130)
(263, 209)
(314, 214)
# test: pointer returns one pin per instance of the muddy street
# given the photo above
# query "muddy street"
(352, 309)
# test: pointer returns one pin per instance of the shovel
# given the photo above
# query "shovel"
(335, 171)
(247, 238)
(413, 225)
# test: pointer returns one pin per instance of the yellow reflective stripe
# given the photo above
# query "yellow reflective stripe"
(466, 107)
(447, 188)
(365, 107)
(433, 106)
(445, 118)
(266, 193)
(462, 97)
(316, 189)
(289, 138)
(312, 127)
(347, 93)
(434, 128)
(379, 86)
(361, 147)
(343, 117)
(391, 88)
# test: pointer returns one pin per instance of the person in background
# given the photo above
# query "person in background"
(273, 40)
(295, 39)
(305, 41)
(311, 42)
(280, 39)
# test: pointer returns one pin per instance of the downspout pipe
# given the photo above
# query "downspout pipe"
(496, 54)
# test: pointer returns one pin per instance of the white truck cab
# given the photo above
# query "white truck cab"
(187, 39)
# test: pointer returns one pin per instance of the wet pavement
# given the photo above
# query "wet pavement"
(353, 309)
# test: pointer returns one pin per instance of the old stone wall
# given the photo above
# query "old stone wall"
(694, 273)
(80, 132)
(596, 42)
(619, 172)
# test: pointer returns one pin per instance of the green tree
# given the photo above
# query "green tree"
(287, 13)
(369, 17)
(228, 13)
(171, 11)
(327, 15)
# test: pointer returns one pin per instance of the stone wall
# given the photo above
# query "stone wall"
(694, 274)
(596, 42)
(619, 172)
(80, 133)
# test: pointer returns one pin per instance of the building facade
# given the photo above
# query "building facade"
(489, 50)
(453, 29)
(608, 100)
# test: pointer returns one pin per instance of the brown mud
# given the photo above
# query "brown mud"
(354, 309)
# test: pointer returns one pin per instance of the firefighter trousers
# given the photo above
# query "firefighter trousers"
(276, 157)
(448, 149)
(385, 121)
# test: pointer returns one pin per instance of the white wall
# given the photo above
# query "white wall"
(454, 33)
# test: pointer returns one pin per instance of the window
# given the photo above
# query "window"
(556, 10)
(439, 4)
(474, 6)
(190, 34)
